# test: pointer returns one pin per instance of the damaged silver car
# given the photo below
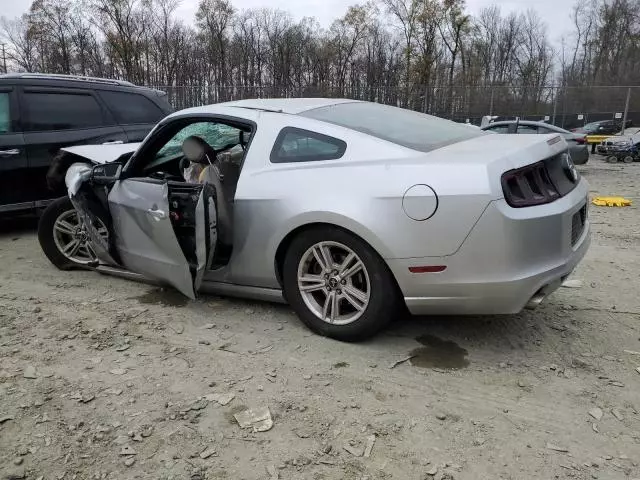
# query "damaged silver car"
(346, 210)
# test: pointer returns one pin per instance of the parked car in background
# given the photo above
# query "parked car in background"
(39, 114)
(578, 148)
(343, 209)
(603, 127)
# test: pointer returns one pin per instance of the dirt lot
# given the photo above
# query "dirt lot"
(104, 378)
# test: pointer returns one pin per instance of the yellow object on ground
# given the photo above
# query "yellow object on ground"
(611, 202)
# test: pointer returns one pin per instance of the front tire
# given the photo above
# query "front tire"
(338, 285)
(62, 237)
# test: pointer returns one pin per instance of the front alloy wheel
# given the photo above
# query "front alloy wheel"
(71, 238)
(63, 236)
(338, 285)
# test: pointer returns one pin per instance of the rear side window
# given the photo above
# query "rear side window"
(61, 111)
(527, 129)
(297, 145)
(499, 129)
(5, 113)
(131, 108)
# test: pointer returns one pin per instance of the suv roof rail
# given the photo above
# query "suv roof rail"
(73, 78)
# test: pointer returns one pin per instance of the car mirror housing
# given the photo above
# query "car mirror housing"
(106, 174)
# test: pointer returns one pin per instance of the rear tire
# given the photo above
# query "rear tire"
(628, 159)
(363, 301)
(612, 159)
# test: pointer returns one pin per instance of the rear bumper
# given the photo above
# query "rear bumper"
(511, 257)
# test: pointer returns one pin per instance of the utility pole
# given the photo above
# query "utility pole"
(626, 111)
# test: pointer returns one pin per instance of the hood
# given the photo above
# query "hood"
(102, 153)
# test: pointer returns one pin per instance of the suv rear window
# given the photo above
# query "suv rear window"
(131, 108)
(410, 129)
(61, 111)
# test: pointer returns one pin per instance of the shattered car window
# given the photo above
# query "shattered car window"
(217, 135)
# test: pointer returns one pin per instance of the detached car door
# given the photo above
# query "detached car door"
(166, 231)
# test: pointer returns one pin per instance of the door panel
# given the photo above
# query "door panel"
(144, 236)
(14, 167)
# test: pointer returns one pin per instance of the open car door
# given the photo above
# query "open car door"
(164, 230)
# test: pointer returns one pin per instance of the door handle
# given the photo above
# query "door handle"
(9, 153)
(113, 142)
(157, 214)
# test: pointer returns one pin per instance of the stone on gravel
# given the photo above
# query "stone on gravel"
(6, 418)
(129, 461)
(118, 371)
(18, 461)
(15, 474)
(204, 342)
(258, 419)
(127, 450)
(572, 284)
(441, 416)
(30, 372)
(432, 471)
(272, 472)
(596, 413)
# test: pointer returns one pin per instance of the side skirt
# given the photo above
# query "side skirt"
(215, 288)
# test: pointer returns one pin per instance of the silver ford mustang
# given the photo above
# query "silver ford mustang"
(346, 210)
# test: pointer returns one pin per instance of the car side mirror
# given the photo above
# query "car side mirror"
(106, 174)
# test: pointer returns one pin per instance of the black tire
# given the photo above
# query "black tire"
(383, 297)
(45, 234)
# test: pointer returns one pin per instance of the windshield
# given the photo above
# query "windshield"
(404, 127)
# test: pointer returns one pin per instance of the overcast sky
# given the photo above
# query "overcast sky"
(554, 12)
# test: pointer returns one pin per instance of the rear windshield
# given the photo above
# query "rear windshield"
(405, 127)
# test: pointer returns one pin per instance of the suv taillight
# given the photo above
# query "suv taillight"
(528, 186)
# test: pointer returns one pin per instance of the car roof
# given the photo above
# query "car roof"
(73, 81)
(292, 106)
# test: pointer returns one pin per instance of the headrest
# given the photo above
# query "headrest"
(195, 149)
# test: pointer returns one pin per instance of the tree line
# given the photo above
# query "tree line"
(429, 55)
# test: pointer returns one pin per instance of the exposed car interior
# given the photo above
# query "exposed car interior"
(202, 153)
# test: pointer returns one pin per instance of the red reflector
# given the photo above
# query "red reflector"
(428, 269)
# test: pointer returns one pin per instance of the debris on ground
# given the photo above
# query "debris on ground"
(596, 413)
(207, 452)
(258, 419)
(371, 440)
(221, 398)
(30, 372)
(556, 448)
(352, 449)
(572, 284)
(401, 361)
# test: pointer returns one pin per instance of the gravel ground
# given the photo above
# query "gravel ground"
(105, 378)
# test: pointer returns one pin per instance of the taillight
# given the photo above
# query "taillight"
(528, 186)
(581, 140)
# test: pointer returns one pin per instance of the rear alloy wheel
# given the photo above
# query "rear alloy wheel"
(63, 236)
(338, 285)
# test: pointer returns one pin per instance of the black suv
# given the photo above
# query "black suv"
(40, 114)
